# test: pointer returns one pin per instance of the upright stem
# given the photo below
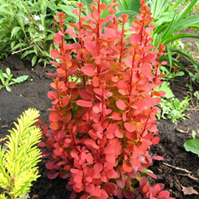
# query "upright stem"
(81, 43)
(98, 33)
(121, 41)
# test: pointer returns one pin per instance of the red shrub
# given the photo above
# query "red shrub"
(102, 120)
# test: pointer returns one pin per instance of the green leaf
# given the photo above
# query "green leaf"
(135, 5)
(34, 60)
(87, 3)
(19, 79)
(69, 11)
(179, 36)
(195, 63)
(124, 4)
(128, 12)
(175, 5)
(19, 46)
(8, 89)
(15, 30)
(192, 146)
(27, 52)
(20, 19)
(185, 11)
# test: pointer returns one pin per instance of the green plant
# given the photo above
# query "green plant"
(172, 108)
(192, 145)
(170, 74)
(18, 163)
(8, 80)
(196, 94)
(103, 121)
(168, 24)
(26, 26)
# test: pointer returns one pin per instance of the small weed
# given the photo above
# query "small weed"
(8, 80)
(172, 108)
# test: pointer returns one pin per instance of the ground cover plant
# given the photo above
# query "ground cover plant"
(102, 122)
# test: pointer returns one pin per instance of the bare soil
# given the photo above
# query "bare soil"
(33, 93)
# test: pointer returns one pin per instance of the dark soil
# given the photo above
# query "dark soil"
(33, 93)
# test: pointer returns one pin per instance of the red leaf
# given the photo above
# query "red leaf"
(54, 117)
(151, 175)
(108, 150)
(155, 140)
(120, 104)
(111, 174)
(157, 157)
(109, 32)
(96, 109)
(54, 126)
(74, 94)
(127, 166)
(143, 181)
(98, 167)
(50, 165)
(84, 103)
(54, 63)
(163, 195)
(57, 37)
(123, 87)
(149, 58)
(112, 128)
(84, 95)
(65, 101)
(55, 54)
(71, 32)
(146, 188)
(52, 174)
(120, 183)
(135, 38)
(115, 116)
(77, 179)
(64, 174)
(110, 188)
(98, 91)
(51, 95)
(90, 143)
(110, 158)
(88, 70)
(129, 126)
(95, 81)
(118, 133)
(42, 144)
(136, 162)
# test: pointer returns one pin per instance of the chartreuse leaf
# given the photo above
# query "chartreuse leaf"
(18, 164)
(192, 146)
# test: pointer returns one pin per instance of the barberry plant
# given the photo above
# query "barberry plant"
(103, 115)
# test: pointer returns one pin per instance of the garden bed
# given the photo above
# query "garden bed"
(33, 93)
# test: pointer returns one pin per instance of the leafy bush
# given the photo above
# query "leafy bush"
(26, 27)
(18, 164)
(103, 115)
